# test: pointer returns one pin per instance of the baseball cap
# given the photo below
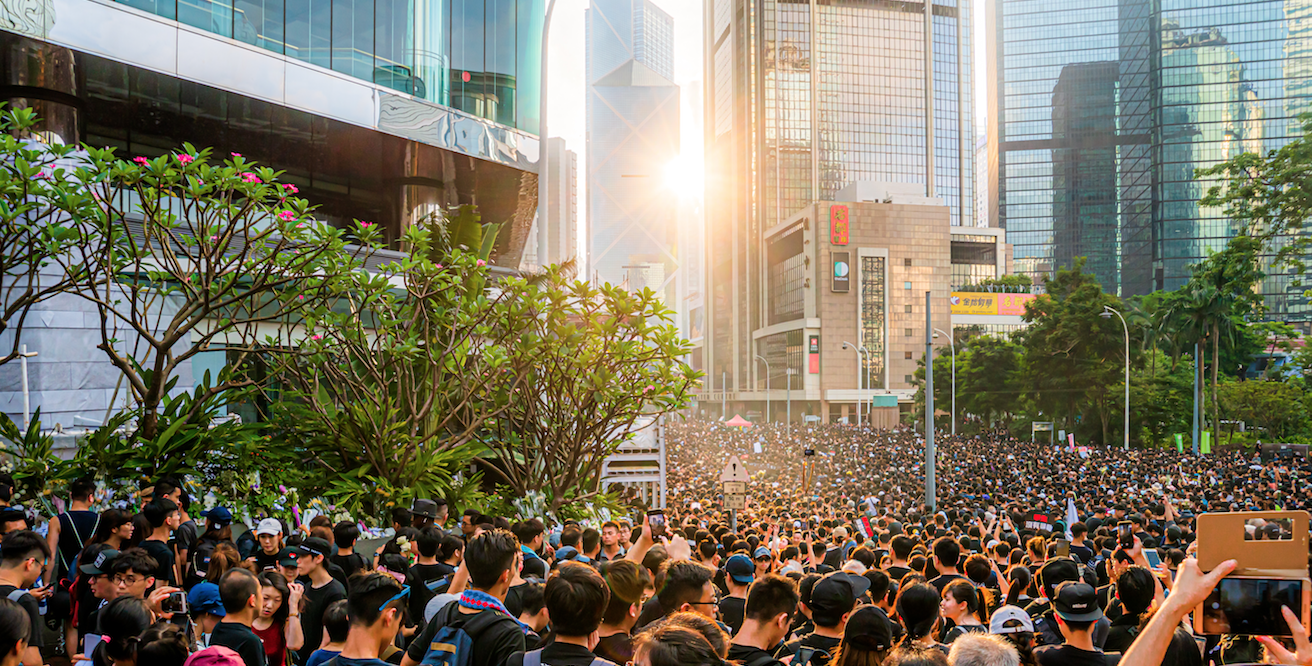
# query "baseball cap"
(220, 515)
(204, 598)
(567, 553)
(215, 655)
(837, 593)
(287, 557)
(424, 507)
(268, 526)
(315, 546)
(760, 552)
(741, 569)
(1077, 602)
(998, 622)
(104, 560)
(869, 629)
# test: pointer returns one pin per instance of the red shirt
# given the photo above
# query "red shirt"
(275, 644)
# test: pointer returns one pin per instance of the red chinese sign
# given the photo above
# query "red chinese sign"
(838, 224)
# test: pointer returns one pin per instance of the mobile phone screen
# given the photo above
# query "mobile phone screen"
(656, 521)
(1062, 548)
(1154, 559)
(1251, 606)
(1125, 535)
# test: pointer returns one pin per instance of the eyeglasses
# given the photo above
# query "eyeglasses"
(127, 580)
(405, 591)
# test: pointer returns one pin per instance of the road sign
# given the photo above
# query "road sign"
(734, 470)
(735, 502)
(735, 488)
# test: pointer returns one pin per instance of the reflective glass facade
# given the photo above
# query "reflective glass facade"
(480, 56)
(804, 99)
(1105, 110)
(874, 317)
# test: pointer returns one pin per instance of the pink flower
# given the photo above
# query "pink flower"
(290, 188)
(286, 216)
(366, 224)
(439, 265)
(141, 160)
(42, 174)
(300, 298)
(300, 225)
(185, 158)
(251, 178)
(316, 337)
(482, 263)
(650, 387)
(235, 154)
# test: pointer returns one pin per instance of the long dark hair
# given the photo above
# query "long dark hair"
(122, 622)
(278, 582)
(964, 592)
(110, 520)
(918, 607)
(1019, 576)
(163, 644)
(15, 626)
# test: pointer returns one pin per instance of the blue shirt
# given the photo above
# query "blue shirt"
(321, 656)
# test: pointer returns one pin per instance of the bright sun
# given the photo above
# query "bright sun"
(684, 176)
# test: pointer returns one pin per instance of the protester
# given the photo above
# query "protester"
(576, 598)
(122, 623)
(336, 628)
(674, 646)
(240, 591)
(269, 534)
(69, 532)
(833, 598)
(164, 517)
(278, 623)
(768, 615)
(629, 585)
(1076, 609)
(961, 605)
(739, 571)
(983, 650)
(319, 592)
(376, 609)
(23, 557)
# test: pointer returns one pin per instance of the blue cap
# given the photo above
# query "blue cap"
(761, 551)
(566, 553)
(741, 569)
(204, 598)
(219, 514)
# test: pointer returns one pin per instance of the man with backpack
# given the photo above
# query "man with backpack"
(833, 599)
(376, 608)
(476, 630)
(23, 557)
(576, 598)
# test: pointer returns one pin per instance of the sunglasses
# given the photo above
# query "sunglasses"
(405, 591)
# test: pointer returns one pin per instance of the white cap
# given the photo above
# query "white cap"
(269, 526)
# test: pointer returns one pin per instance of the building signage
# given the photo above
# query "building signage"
(838, 224)
(984, 303)
(813, 355)
(842, 272)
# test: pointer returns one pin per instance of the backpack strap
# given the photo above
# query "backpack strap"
(16, 595)
(533, 658)
(598, 661)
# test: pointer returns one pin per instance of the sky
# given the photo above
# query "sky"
(567, 87)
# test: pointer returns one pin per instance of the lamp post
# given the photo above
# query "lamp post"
(865, 380)
(860, 378)
(931, 493)
(23, 355)
(767, 386)
(789, 372)
(954, 377)
(1107, 312)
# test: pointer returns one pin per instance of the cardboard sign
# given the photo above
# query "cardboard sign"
(1221, 538)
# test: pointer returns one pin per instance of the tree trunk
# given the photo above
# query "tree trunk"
(1216, 365)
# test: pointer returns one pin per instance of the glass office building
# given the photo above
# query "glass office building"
(479, 56)
(1104, 111)
(804, 99)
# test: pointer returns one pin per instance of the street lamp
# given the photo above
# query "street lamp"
(789, 372)
(23, 354)
(954, 377)
(860, 378)
(767, 386)
(1107, 312)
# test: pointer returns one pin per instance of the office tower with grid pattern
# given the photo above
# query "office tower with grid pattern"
(633, 135)
(804, 99)
(1104, 110)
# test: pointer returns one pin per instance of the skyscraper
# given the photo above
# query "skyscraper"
(633, 136)
(1105, 110)
(803, 100)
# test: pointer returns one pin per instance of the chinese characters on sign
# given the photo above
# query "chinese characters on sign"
(838, 224)
(981, 303)
(813, 355)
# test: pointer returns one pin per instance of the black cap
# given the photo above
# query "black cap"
(1056, 571)
(315, 546)
(287, 556)
(836, 594)
(1077, 602)
(869, 629)
(101, 566)
(424, 507)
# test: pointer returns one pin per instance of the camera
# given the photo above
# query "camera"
(174, 603)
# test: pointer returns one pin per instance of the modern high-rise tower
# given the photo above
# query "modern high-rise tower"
(1104, 110)
(804, 99)
(633, 136)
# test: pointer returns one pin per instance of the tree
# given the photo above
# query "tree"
(1073, 356)
(36, 198)
(188, 255)
(988, 379)
(594, 361)
(395, 384)
(1276, 406)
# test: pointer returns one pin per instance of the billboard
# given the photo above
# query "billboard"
(984, 303)
(842, 271)
(838, 224)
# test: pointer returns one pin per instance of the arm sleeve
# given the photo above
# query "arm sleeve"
(419, 646)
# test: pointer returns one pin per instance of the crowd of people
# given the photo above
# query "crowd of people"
(1029, 554)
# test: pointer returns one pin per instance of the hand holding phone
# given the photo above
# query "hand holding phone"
(656, 521)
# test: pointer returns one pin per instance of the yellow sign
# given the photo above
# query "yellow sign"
(984, 303)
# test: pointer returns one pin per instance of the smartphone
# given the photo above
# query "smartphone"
(1154, 560)
(1062, 548)
(1251, 606)
(1125, 534)
(174, 603)
(656, 521)
(797, 524)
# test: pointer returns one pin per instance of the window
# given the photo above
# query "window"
(906, 355)
(906, 378)
(906, 285)
(874, 315)
(907, 262)
(910, 332)
(908, 309)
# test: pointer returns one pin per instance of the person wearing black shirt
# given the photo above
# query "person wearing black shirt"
(947, 553)
(491, 559)
(530, 534)
(239, 590)
(376, 608)
(345, 534)
(739, 572)
(164, 518)
(1076, 610)
(320, 592)
(576, 599)
(832, 599)
(23, 557)
(628, 581)
(771, 602)
(269, 533)
(70, 531)
(426, 573)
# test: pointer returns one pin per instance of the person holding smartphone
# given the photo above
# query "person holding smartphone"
(23, 557)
